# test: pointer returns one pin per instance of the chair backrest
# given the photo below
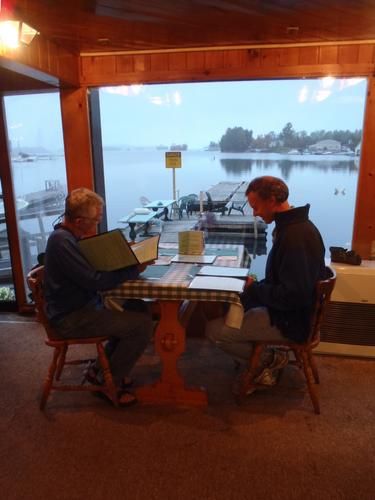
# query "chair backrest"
(35, 280)
(323, 291)
(184, 201)
(144, 201)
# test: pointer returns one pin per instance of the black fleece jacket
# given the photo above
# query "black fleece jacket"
(294, 265)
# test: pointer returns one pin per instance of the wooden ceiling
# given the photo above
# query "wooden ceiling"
(89, 26)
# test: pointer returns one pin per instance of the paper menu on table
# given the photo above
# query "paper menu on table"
(191, 242)
(230, 272)
(217, 283)
(195, 259)
(163, 260)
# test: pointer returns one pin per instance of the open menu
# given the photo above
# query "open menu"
(110, 250)
(217, 283)
(229, 272)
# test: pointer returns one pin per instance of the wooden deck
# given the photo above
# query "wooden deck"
(237, 224)
(227, 227)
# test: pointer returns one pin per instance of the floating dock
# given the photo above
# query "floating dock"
(236, 225)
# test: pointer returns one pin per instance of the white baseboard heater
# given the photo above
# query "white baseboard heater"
(349, 325)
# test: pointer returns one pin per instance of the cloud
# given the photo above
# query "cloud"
(120, 90)
(303, 94)
(327, 82)
(169, 99)
(124, 90)
(136, 89)
(16, 125)
(350, 82)
(321, 95)
(157, 100)
(177, 98)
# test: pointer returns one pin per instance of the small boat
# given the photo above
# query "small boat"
(24, 157)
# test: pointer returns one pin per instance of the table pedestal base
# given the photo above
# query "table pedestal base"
(170, 344)
(164, 393)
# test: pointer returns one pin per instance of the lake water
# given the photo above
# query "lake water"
(327, 182)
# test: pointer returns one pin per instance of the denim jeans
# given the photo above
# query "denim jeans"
(256, 325)
(129, 333)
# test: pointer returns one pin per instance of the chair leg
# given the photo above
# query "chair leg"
(314, 366)
(49, 379)
(248, 376)
(61, 361)
(310, 381)
(110, 385)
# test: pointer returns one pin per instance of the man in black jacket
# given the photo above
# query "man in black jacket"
(279, 306)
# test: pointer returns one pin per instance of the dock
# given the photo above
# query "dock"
(37, 206)
(236, 225)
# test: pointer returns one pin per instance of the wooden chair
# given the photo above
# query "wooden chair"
(303, 352)
(61, 346)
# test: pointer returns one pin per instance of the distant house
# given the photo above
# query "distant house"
(328, 145)
(358, 149)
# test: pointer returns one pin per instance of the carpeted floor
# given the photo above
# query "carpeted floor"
(273, 446)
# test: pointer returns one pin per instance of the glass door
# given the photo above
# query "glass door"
(7, 295)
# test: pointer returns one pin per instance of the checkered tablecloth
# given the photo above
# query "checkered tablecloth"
(174, 285)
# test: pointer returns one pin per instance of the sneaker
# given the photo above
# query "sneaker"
(280, 360)
(270, 374)
(267, 377)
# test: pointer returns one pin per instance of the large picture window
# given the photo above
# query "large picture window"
(38, 168)
(307, 132)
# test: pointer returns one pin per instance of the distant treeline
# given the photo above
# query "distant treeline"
(239, 140)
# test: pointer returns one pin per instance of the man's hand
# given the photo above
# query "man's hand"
(249, 281)
(142, 267)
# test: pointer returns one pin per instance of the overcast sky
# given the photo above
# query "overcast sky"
(195, 114)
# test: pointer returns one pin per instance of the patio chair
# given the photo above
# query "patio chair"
(35, 280)
(215, 206)
(302, 352)
(238, 205)
(143, 200)
(186, 203)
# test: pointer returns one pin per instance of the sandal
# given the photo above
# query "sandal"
(125, 398)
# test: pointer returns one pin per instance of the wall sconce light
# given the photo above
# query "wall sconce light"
(13, 33)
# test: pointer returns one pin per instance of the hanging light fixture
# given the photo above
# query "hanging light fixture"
(15, 33)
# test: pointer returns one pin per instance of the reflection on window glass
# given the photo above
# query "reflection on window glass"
(308, 132)
(38, 168)
(6, 279)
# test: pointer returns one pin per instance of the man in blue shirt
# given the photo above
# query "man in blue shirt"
(73, 304)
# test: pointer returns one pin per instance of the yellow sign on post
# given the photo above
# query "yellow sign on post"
(173, 159)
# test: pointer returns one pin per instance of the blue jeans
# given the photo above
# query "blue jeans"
(256, 325)
(129, 333)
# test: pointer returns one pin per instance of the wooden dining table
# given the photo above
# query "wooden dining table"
(169, 286)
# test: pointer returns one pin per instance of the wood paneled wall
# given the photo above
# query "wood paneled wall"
(237, 64)
(48, 58)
